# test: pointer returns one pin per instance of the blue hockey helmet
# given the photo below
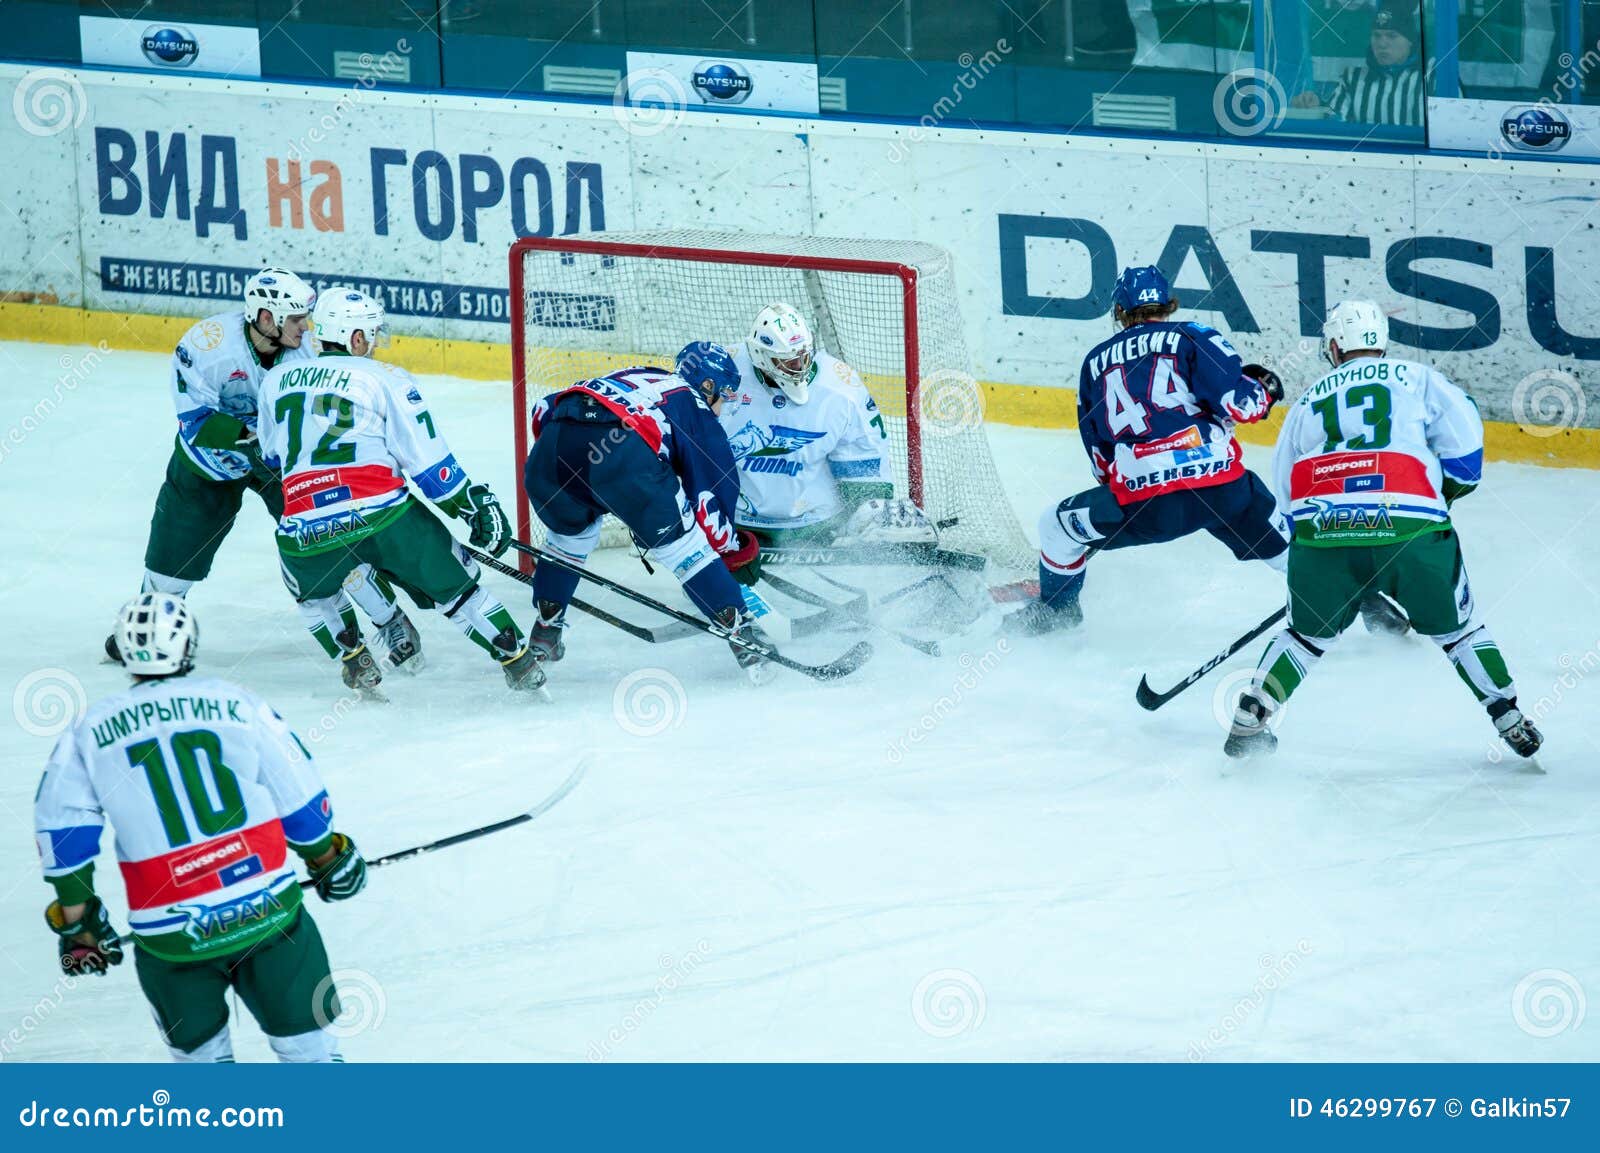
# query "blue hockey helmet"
(703, 362)
(1138, 287)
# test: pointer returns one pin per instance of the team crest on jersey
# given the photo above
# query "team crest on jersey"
(183, 356)
(207, 921)
(779, 400)
(778, 440)
(414, 396)
(1330, 517)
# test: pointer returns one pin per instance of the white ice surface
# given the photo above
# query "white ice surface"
(772, 879)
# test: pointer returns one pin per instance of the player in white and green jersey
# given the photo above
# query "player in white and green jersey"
(1368, 462)
(217, 370)
(209, 792)
(347, 432)
(810, 444)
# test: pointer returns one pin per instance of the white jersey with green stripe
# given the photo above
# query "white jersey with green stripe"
(791, 457)
(215, 369)
(206, 788)
(1373, 451)
(348, 431)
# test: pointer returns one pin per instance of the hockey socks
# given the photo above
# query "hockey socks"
(1478, 662)
(482, 618)
(373, 593)
(1288, 660)
(326, 618)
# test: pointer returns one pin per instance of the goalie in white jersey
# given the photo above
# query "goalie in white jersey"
(348, 431)
(1368, 463)
(217, 369)
(208, 791)
(810, 444)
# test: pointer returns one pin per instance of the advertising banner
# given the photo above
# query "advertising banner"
(724, 82)
(166, 44)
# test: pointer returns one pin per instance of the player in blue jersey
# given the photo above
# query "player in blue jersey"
(644, 445)
(1157, 404)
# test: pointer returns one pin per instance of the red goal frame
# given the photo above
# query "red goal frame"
(907, 275)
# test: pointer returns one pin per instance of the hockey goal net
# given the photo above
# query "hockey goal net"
(583, 306)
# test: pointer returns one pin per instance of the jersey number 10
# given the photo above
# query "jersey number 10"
(221, 815)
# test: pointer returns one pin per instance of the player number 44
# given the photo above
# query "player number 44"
(1168, 390)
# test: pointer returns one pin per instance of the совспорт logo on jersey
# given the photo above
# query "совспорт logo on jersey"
(169, 46)
(1535, 128)
(722, 82)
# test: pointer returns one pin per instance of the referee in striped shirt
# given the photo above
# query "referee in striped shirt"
(1388, 89)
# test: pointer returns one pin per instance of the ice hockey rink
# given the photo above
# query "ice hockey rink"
(988, 856)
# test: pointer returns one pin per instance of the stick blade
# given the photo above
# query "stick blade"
(1147, 697)
(858, 655)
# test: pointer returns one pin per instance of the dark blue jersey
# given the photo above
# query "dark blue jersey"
(1156, 408)
(674, 420)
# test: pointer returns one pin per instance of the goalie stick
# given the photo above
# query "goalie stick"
(522, 818)
(1148, 698)
(891, 554)
(842, 666)
(856, 609)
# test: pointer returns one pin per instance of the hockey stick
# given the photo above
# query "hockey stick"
(843, 666)
(858, 609)
(643, 632)
(890, 554)
(1148, 698)
(522, 818)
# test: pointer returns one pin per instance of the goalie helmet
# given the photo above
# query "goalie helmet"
(1355, 325)
(781, 349)
(157, 636)
(342, 312)
(280, 292)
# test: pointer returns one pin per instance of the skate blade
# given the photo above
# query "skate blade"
(411, 667)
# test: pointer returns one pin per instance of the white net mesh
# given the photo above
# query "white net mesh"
(587, 314)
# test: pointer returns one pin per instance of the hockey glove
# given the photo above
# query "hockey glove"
(491, 531)
(80, 956)
(1269, 380)
(744, 560)
(343, 875)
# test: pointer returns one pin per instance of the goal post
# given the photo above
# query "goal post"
(583, 306)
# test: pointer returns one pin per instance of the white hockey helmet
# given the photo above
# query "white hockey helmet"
(1356, 325)
(157, 635)
(781, 349)
(280, 292)
(343, 311)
